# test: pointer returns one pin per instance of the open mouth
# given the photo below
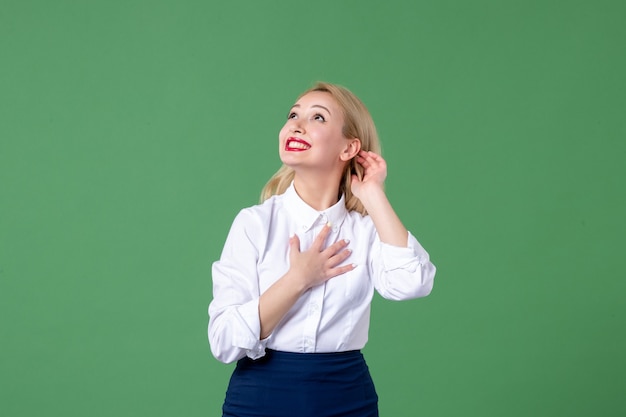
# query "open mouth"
(297, 145)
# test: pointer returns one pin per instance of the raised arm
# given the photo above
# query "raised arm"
(402, 267)
(371, 193)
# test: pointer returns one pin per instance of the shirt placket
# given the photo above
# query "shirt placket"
(315, 299)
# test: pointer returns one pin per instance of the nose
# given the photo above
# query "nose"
(297, 126)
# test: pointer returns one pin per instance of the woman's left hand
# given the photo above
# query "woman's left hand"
(374, 175)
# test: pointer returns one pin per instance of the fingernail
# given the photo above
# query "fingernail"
(347, 241)
(329, 224)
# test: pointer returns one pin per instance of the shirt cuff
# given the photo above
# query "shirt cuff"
(396, 257)
(249, 340)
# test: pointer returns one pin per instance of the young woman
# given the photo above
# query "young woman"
(293, 286)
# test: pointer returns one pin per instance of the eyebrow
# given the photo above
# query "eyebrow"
(315, 105)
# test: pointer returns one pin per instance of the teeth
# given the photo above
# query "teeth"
(297, 145)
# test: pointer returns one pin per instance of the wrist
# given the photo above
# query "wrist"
(294, 283)
(372, 196)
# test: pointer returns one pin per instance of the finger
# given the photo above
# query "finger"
(373, 158)
(361, 160)
(294, 244)
(340, 270)
(369, 160)
(374, 165)
(336, 247)
(339, 258)
(318, 243)
(379, 160)
(372, 154)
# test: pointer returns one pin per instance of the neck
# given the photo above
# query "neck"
(317, 191)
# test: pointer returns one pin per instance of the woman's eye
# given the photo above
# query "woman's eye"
(319, 118)
(292, 115)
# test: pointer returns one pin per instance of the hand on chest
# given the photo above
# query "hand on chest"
(274, 261)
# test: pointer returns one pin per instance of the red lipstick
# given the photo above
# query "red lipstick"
(296, 145)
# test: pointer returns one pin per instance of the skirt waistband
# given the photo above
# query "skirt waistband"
(306, 362)
(317, 356)
(287, 384)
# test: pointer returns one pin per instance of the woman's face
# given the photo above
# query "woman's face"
(312, 136)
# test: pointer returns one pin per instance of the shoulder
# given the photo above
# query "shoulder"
(260, 212)
(258, 217)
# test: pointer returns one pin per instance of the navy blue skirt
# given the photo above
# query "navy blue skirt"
(283, 384)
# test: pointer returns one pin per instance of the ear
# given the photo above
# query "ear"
(353, 147)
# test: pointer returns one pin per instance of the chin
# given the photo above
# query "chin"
(289, 159)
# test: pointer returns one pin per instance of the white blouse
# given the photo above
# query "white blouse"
(331, 317)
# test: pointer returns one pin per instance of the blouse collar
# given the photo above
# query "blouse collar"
(307, 217)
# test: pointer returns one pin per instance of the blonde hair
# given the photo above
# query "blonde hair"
(358, 123)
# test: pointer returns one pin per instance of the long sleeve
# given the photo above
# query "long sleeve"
(234, 326)
(402, 273)
(331, 317)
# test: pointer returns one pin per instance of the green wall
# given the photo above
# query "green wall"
(131, 133)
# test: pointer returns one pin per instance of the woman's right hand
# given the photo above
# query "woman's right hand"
(307, 269)
(317, 264)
